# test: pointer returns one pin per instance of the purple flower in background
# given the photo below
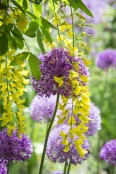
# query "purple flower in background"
(108, 152)
(14, 148)
(3, 167)
(57, 172)
(55, 147)
(57, 63)
(106, 59)
(95, 120)
(97, 7)
(42, 108)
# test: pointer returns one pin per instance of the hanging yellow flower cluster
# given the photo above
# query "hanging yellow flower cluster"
(79, 84)
(13, 77)
(12, 81)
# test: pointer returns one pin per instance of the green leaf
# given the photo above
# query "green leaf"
(25, 4)
(16, 32)
(22, 56)
(46, 23)
(12, 42)
(46, 34)
(34, 66)
(40, 41)
(37, 9)
(33, 27)
(19, 42)
(3, 44)
(83, 7)
(17, 5)
(31, 15)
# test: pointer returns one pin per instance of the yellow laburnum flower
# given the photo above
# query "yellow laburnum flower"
(59, 80)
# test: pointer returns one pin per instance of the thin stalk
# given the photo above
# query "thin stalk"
(8, 168)
(47, 135)
(99, 134)
(113, 168)
(65, 167)
(69, 167)
(57, 25)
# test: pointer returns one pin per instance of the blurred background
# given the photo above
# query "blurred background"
(103, 94)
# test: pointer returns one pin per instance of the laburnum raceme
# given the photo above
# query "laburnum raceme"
(94, 123)
(12, 81)
(13, 75)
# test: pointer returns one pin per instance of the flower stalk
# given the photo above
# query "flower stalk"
(47, 135)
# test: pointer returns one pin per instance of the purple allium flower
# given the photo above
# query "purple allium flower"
(108, 152)
(106, 59)
(57, 172)
(14, 148)
(42, 108)
(57, 63)
(3, 167)
(97, 7)
(95, 120)
(55, 147)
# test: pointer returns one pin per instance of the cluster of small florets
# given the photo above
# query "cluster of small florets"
(55, 148)
(106, 59)
(42, 108)
(108, 152)
(3, 167)
(57, 63)
(14, 148)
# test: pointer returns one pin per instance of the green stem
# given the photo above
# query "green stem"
(73, 29)
(65, 167)
(99, 134)
(69, 167)
(57, 25)
(47, 135)
(8, 168)
(113, 168)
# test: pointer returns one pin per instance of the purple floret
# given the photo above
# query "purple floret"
(106, 59)
(57, 63)
(14, 148)
(57, 172)
(95, 120)
(42, 108)
(55, 147)
(3, 167)
(108, 152)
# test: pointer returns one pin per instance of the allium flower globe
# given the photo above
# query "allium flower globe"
(55, 147)
(108, 152)
(106, 59)
(42, 108)
(57, 63)
(3, 167)
(14, 148)
(95, 120)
